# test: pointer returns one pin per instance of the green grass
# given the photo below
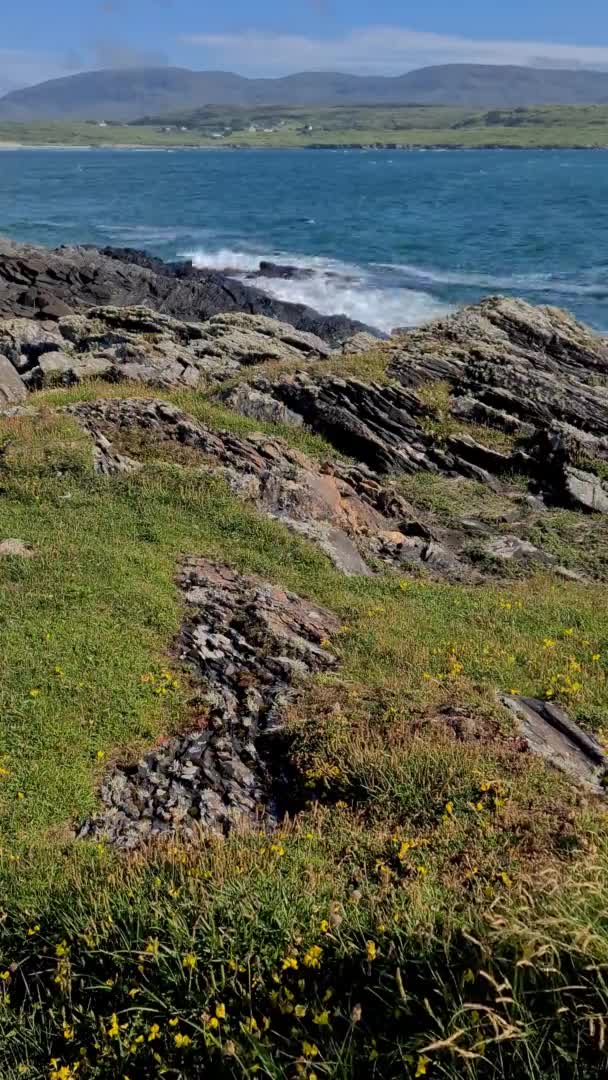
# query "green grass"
(537, 126)
(427, 870)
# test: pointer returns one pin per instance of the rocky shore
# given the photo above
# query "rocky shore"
(505, 396)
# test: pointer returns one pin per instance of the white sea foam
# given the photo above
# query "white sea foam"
(333, 287)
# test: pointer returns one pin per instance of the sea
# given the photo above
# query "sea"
(390, 237)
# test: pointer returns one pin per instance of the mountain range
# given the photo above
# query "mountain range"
(130, 94)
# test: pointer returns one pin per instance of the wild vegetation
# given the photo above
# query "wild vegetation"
(436, 905)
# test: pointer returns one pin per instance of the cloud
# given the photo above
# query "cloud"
(377, 50)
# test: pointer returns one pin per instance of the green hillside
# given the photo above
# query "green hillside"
(560, 126)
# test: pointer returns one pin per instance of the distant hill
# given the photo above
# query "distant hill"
(136, 93)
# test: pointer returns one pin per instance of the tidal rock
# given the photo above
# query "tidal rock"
(38, 283)
(252, 647)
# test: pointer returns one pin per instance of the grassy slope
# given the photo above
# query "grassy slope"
(494, 843)
(584, 125)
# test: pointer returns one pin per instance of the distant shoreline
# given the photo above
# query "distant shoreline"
(438, 147)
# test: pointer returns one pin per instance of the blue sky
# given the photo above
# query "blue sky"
(45, 38)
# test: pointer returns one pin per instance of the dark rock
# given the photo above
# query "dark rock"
(551, 733)
(240, 635)
(280, 270)
(40, 283)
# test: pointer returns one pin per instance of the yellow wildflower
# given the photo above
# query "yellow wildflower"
(154, 1033)
(324, 927)
(5, 976)
(300, 1011)
(68, 1032)
(61, 949)
(220, 1011)
(182, 1041)
(64, 1073)
(423, 1066)
(34, 693)
(189, 961)
(33, 930)
(371, 950)
(114, 1029)
(312, 958)
(173, 1022)
(290, 962)
(213, 1023)
(321, 1019)
(310, 1050)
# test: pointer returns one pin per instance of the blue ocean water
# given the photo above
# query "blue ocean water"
(391, 237)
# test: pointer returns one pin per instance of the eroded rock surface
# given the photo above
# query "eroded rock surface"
(532, 373)
(382, 426)
(141, 345)
(550, 732)
(354, 517)
(252, 647)
(42, 284)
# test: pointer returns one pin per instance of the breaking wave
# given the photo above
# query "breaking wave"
(331, 287)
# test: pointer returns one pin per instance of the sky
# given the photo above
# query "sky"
(49, 38)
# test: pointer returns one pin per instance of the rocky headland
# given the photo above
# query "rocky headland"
(303, 715)
(507, 396)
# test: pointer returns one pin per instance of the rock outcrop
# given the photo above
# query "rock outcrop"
(382, 426)
(252, 647)
(549, 732)
(144, 346)
(38, 283)
(346, 510)
(356, 518)
(535, 374)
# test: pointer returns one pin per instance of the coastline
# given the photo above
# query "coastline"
(7, 147)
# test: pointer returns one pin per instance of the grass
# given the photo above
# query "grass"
(536, 126)
(437, 908)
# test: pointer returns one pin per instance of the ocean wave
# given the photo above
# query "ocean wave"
(592, 282)
(332, 287)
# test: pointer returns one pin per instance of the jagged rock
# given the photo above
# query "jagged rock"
(345, 510)
(383, 426)
(352, 515)
(12, 387)
(252, 647)
(135, 343)
(532, 364)
(42, 284)
(550, 732)
(533, 373)
(557, 455)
